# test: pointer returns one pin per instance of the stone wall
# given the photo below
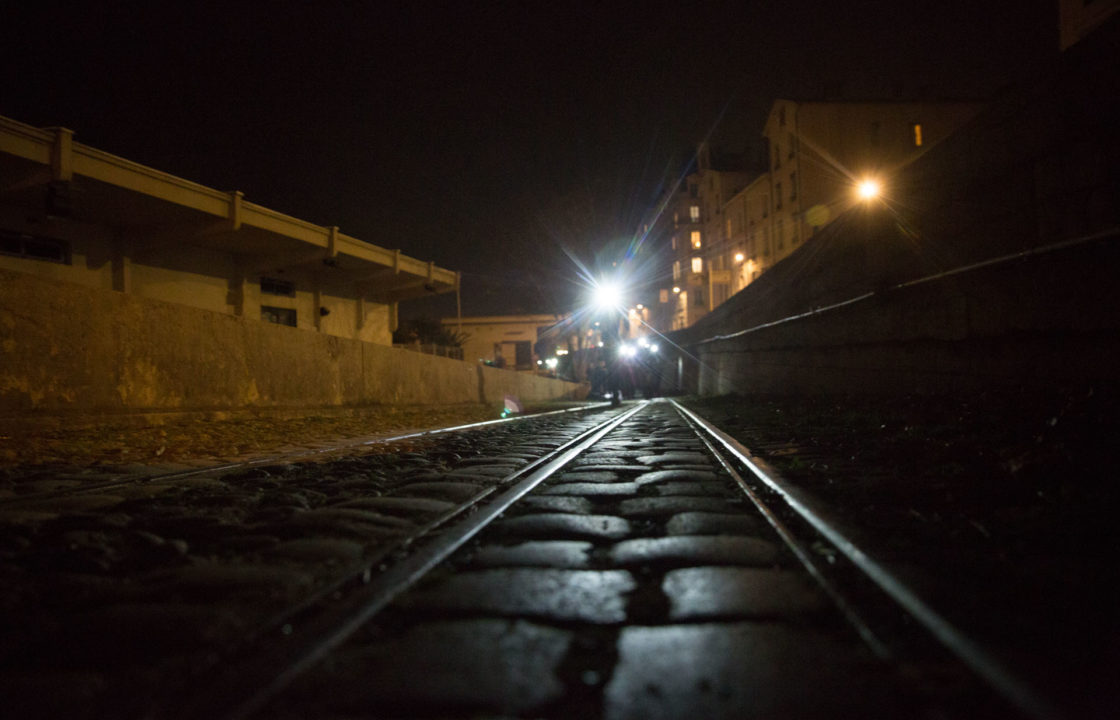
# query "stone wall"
(1044, 321)
(69, 349)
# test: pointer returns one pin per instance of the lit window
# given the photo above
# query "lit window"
(673, 240)
(663, 296)
(917, 134)
(677, 270)
(696, 239)
(697, 265)
(694, 213)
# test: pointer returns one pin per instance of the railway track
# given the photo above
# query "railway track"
(614, 563)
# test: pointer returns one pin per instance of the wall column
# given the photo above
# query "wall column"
(122, 267)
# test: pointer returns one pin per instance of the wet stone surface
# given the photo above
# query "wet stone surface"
(508, 667)
(143, 580)
(631, 563)
(743, 670)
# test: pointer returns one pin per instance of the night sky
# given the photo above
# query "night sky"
(488, 137)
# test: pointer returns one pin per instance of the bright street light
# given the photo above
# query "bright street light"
(607, 295)
(868, 189)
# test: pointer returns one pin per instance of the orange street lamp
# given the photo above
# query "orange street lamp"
(869, 189)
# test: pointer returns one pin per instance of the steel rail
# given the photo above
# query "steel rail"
(994, 673)
(294, 456)
(850, 613)
(255, 686)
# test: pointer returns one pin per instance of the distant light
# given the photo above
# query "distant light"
(869, 189)
(626, 350)
(607, 295)
(551, 362)
(561, 351)
(653, 347)
(676, 289)
(640, 306)
(643, 342)
(540, 362)
(600, 343)
(739, 257)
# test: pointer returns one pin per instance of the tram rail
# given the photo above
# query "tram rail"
(643, 472)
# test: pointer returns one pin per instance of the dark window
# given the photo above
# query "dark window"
(34, 248)
(272, 286)
(793, 185)
(523, 354)
(280, 316)
(778, 196)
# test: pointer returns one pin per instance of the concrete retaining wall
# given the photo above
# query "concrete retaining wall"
(72, 349)
(1046, 320)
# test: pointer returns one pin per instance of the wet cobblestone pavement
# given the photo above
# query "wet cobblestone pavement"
(632, 584)
(1000, 507)
(636, 583)
(108, 597)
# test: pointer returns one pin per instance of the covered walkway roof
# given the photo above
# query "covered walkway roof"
(153, 207)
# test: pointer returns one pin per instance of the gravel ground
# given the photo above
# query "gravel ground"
(1001, 507)
(116, 443)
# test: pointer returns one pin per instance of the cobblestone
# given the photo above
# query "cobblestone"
(564, 525)
(557, 504)
(592, 489)
(696, 550)
(692, 460)
(663, 506)
(563, 554)
(742, 670)
(508, 667)
(659, 476)
(713, 523)
(593, 596)
(699, 593)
